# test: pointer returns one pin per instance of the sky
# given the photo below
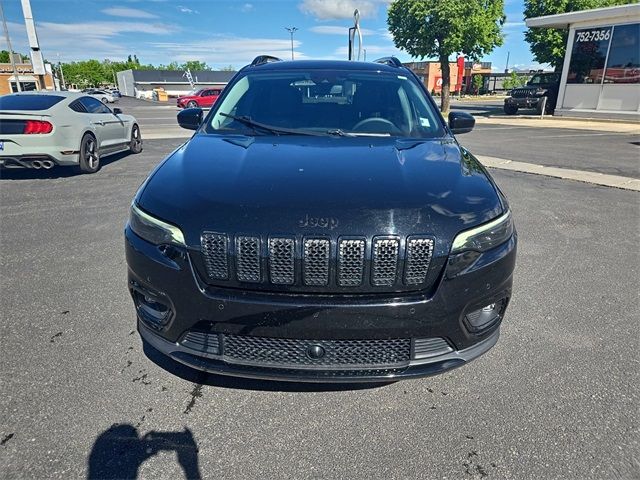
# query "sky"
(223, 33)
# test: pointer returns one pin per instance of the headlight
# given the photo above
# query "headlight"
(154, 230)
(485, 236)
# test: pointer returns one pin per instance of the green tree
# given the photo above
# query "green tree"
(87, 73)
(442, 28)
(194, 65)
(478, 83)
(514, 81)
(228, 68)
(549, 44)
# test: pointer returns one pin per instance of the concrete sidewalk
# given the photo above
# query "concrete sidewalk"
(557, 122)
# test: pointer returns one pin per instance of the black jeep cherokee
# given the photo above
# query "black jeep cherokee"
(542, 86)
(322, 224)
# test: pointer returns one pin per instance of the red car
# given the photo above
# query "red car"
(203, 98)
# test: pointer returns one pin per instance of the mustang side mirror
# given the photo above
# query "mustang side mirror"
(117, 111)
(190, 118)
(461, 122)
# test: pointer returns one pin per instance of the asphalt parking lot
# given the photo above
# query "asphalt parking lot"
(556, 398)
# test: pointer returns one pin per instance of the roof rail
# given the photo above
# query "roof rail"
(390, 61)
(262, 59)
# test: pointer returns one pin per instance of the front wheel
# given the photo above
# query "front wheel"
(510, 109)
(136, 140)
(104, 100)
(89, 154)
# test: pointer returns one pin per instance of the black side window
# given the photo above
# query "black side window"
(77, 106)
(94, 106)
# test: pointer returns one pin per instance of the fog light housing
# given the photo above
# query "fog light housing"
(485, 317)
(151, 308)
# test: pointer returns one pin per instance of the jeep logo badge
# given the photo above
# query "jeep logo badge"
(318, 222)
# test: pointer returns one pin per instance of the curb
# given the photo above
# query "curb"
(594, 178)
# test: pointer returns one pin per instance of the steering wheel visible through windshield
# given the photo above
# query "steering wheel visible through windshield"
(332, 102)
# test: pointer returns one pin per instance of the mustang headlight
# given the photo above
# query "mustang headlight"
(154, 230)
(485, 237)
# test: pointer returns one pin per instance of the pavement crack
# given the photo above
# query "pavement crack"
(195, 393)
(53, 338)
(6, 438)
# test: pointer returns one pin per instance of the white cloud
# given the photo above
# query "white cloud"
(339, 9)
(337, 30)
(81, 41)
(377, 50)
(186, 10)
(128, 12)
(513, 24)
(246, 8)
(226, 50)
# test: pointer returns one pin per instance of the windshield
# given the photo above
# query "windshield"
(344, 102)
(542, 79)
(29, 102)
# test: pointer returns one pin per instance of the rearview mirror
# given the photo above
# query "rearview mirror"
(117, 111)
(190, 118)
(461, 122)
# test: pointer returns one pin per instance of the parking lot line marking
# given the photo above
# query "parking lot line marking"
(594, 178)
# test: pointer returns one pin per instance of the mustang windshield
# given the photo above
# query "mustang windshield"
(338, 102)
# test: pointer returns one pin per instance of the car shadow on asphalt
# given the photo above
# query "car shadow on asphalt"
(119, 451)
(223, 381)
(55, 172)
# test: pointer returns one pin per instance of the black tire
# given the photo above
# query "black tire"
(104, 100)
(192, 104)
(89, 154)
(548, 109)
(135, 144)
(510, 109)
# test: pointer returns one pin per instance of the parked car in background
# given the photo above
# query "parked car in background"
(115, 92)
(43, 130)
(322, 224)
(103, 95)
(203, 98)
(541, 86)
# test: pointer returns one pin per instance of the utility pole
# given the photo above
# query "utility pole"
(291, 30)
(506, 68)
(37, 62)
(61, 72)
(13, 60)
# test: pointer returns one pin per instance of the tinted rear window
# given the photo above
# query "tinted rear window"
(28, 102)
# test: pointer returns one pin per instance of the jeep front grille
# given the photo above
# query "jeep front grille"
(358, 264)
(248, 259)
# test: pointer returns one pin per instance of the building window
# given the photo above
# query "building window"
(588, 55)
(623, 64)
(24, 86)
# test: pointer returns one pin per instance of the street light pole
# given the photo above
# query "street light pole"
(291, 30)
(13, 60)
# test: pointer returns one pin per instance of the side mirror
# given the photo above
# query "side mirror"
(461, 122)
(117, 111)
(190, 118)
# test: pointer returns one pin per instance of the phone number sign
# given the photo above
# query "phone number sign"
(602, 34)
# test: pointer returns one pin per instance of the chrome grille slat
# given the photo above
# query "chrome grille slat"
(385, 261)
(248, 259)
(351, 262)
(419, 253)
(316, 261)
(282, 261)
(215, 249)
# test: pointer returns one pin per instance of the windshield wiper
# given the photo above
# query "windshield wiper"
(269, 128)
(341, 133)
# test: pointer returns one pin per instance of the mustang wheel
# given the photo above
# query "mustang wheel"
(136, 140)
(89, 154)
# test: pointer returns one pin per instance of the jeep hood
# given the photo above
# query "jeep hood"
(320, 186)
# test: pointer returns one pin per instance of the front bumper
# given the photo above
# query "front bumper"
(194, 306)
(522, 102)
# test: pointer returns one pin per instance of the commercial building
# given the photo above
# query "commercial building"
(137, 83)
(431, 75)
(601, 70)
(28, 80)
